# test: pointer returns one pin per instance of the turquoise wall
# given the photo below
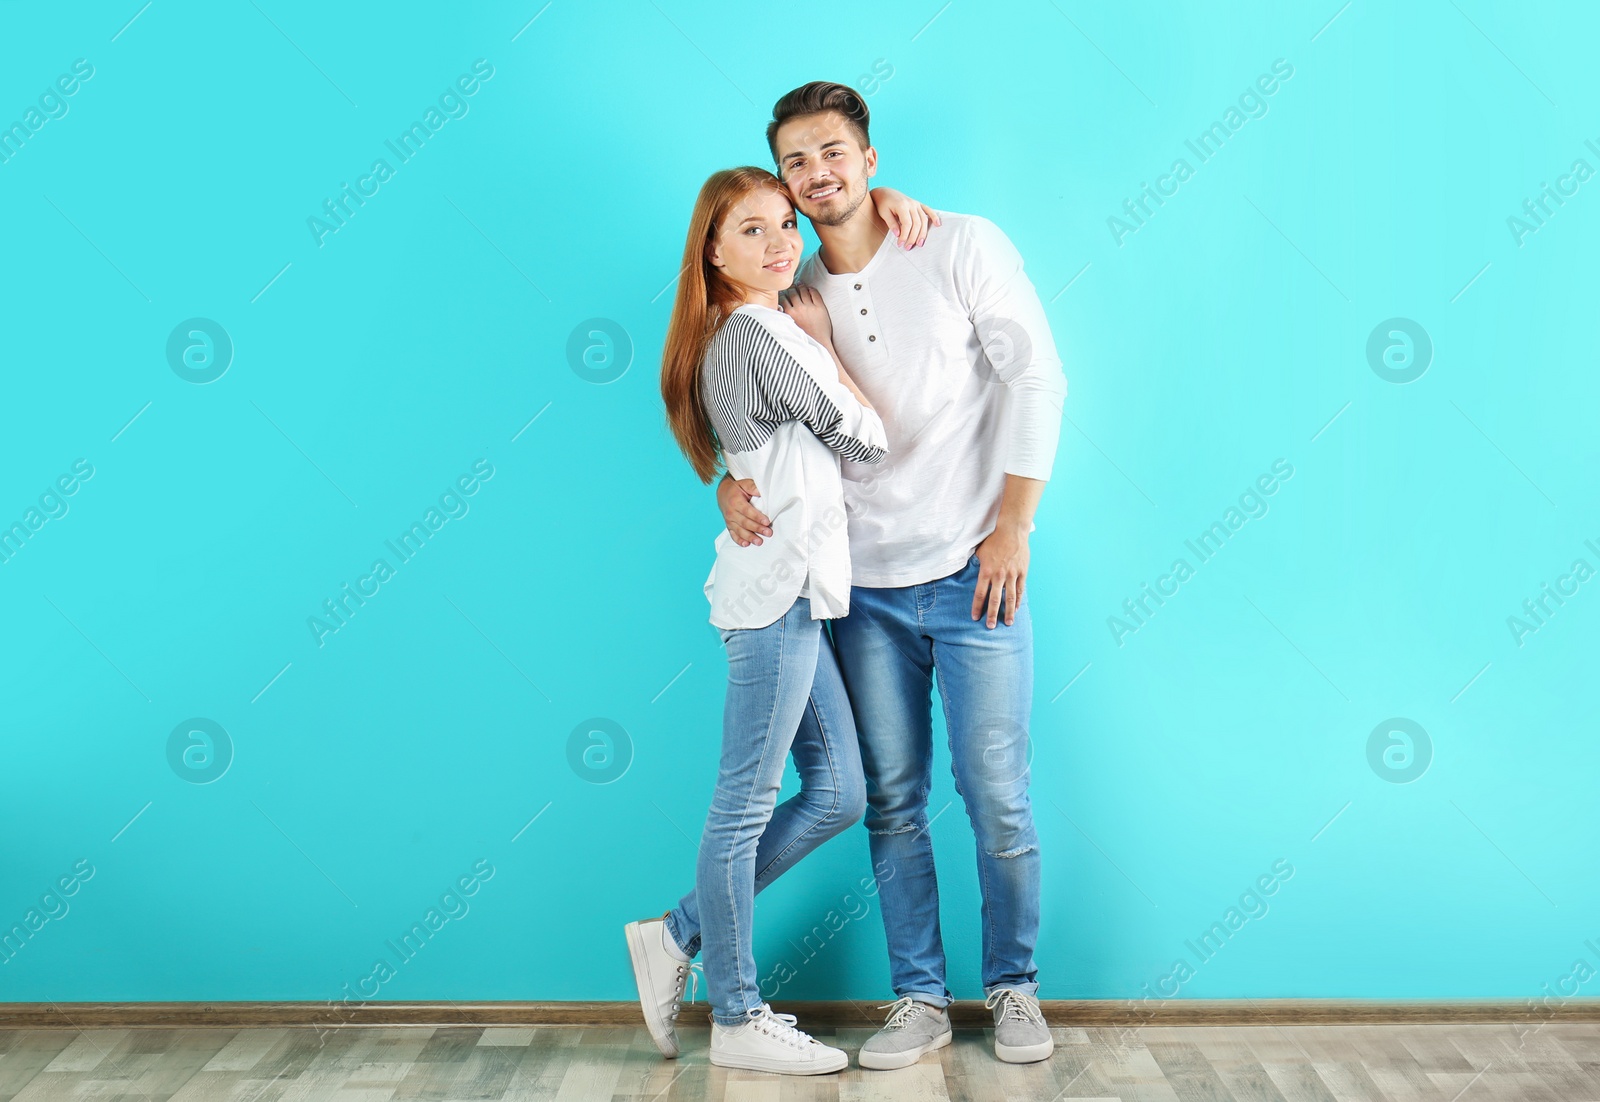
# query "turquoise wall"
(220, 414)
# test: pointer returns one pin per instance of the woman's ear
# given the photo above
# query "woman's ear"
(713, 255)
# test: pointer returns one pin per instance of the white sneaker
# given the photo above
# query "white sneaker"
(660, 977)
(770, 1042)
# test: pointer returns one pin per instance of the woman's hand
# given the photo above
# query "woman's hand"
(908, 219)
(804, 304)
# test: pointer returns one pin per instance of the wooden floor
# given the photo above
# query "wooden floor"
(1355, 1063)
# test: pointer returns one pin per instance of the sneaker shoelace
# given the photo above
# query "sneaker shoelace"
(686, 973)
(1015, 1006)
(780, 1027)
(902, 1012)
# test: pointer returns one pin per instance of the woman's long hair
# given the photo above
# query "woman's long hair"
(705, 299)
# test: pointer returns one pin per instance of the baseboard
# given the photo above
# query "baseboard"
(1103, 1013)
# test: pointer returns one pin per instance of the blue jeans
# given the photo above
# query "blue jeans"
(890, 647)
(784, 696)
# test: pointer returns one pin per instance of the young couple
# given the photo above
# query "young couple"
(896, 415)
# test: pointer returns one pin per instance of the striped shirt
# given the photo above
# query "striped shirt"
(784, 419)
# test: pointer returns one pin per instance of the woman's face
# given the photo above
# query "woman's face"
(758, 243)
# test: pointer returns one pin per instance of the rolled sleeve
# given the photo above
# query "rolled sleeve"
(795, 388)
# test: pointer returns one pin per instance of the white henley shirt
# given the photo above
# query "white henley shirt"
(950, 343)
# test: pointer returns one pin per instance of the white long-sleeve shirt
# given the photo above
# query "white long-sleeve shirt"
(784, 419)
(952, 346)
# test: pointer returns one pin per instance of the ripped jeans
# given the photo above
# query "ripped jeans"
(891, 647)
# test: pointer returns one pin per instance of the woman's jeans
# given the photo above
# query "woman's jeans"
(890, 648)
(785, 696)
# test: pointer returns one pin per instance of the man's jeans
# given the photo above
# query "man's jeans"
(784, 696)
(889, 648)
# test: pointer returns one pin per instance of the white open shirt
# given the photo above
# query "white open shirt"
(784, 419)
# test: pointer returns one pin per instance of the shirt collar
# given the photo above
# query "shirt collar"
(820, 270)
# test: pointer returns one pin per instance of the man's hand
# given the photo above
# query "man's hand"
(1002, 572)
(1003, 556)
(746, 524)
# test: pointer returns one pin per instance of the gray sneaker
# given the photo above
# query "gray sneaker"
(913, 1028)
(1020, 1035)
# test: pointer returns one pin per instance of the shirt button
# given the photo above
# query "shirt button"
(872, 336)
(863, 309)
(858, 286)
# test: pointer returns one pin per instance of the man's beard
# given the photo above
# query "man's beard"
(829, 217)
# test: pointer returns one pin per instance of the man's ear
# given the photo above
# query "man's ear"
(871, 159)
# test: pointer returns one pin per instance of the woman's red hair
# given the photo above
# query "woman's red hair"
(705, 299)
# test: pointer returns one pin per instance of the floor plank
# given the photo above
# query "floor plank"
(1480, 1062)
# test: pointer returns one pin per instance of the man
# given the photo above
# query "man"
(951, 345)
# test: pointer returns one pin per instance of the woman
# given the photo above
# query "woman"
(751, 377)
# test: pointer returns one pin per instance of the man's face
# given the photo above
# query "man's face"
(821, 160)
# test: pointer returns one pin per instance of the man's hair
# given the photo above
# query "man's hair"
(813, 99)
